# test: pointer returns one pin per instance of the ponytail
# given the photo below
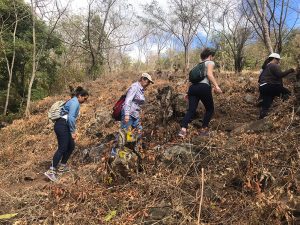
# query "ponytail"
(79, 91)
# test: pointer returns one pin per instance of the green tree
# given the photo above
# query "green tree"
(23, 46)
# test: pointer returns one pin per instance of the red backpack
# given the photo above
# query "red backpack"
(116, 114)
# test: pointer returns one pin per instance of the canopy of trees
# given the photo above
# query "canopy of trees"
(44, 46)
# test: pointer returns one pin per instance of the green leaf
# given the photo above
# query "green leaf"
(110, 215)
(7, 216)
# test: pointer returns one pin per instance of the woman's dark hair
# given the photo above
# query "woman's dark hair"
(79, 91)
(266, 62)
(207, 52)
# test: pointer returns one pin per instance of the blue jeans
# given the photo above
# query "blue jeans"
(133, 122)
(65, 142)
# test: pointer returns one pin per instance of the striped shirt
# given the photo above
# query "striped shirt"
(134, 99)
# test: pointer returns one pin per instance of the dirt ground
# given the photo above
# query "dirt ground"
(250, 167)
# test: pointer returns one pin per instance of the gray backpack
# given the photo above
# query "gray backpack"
(54, 112)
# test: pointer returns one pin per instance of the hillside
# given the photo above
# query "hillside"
(251, 167)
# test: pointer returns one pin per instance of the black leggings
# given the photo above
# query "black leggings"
(196, 93)
(268, 92)
(65, 141)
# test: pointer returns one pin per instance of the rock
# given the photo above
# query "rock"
(183, 154)
(93, 154)
(180, 105)
(164, 98)
(30, 176)
(255, 126)
(294, 205)
(250, 99)
(231, 126)
(240, 79)
(159, 213)
(3, 124)
(168, 105)
(104, 118)
(178, 154)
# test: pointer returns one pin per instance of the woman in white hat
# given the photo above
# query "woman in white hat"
(270, 82)
(135, 98)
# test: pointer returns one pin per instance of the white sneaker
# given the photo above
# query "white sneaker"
(51, 174)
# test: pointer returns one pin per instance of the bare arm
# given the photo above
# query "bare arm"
(212, 79)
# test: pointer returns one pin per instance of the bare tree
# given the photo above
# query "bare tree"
(108, 26)
(235, 29)
(160, 39)
(143, 46)
(105, 19)
(209, 8)
(269, 20)
(182, 21)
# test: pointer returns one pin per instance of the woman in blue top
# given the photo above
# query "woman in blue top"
(65, 130)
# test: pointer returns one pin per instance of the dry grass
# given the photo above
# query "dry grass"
(250, 178)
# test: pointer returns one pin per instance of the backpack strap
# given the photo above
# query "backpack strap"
(63, 108)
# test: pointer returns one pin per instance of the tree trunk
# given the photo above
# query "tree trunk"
(10, 67)
(8, 93)
(92, 69)
(279, 46)
(27, 110)
(268, 42)
(238, 60)
(186, 59)
(108, 62)
(265, 26)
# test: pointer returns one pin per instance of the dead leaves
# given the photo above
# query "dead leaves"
(59, 193)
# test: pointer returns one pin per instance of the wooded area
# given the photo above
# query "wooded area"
(45, 46)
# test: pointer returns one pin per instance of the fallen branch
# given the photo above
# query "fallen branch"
(201, 196)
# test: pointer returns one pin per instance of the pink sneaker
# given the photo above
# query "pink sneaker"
(182, 134)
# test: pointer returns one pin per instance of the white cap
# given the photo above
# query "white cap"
(274, 55)
(148, 77)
